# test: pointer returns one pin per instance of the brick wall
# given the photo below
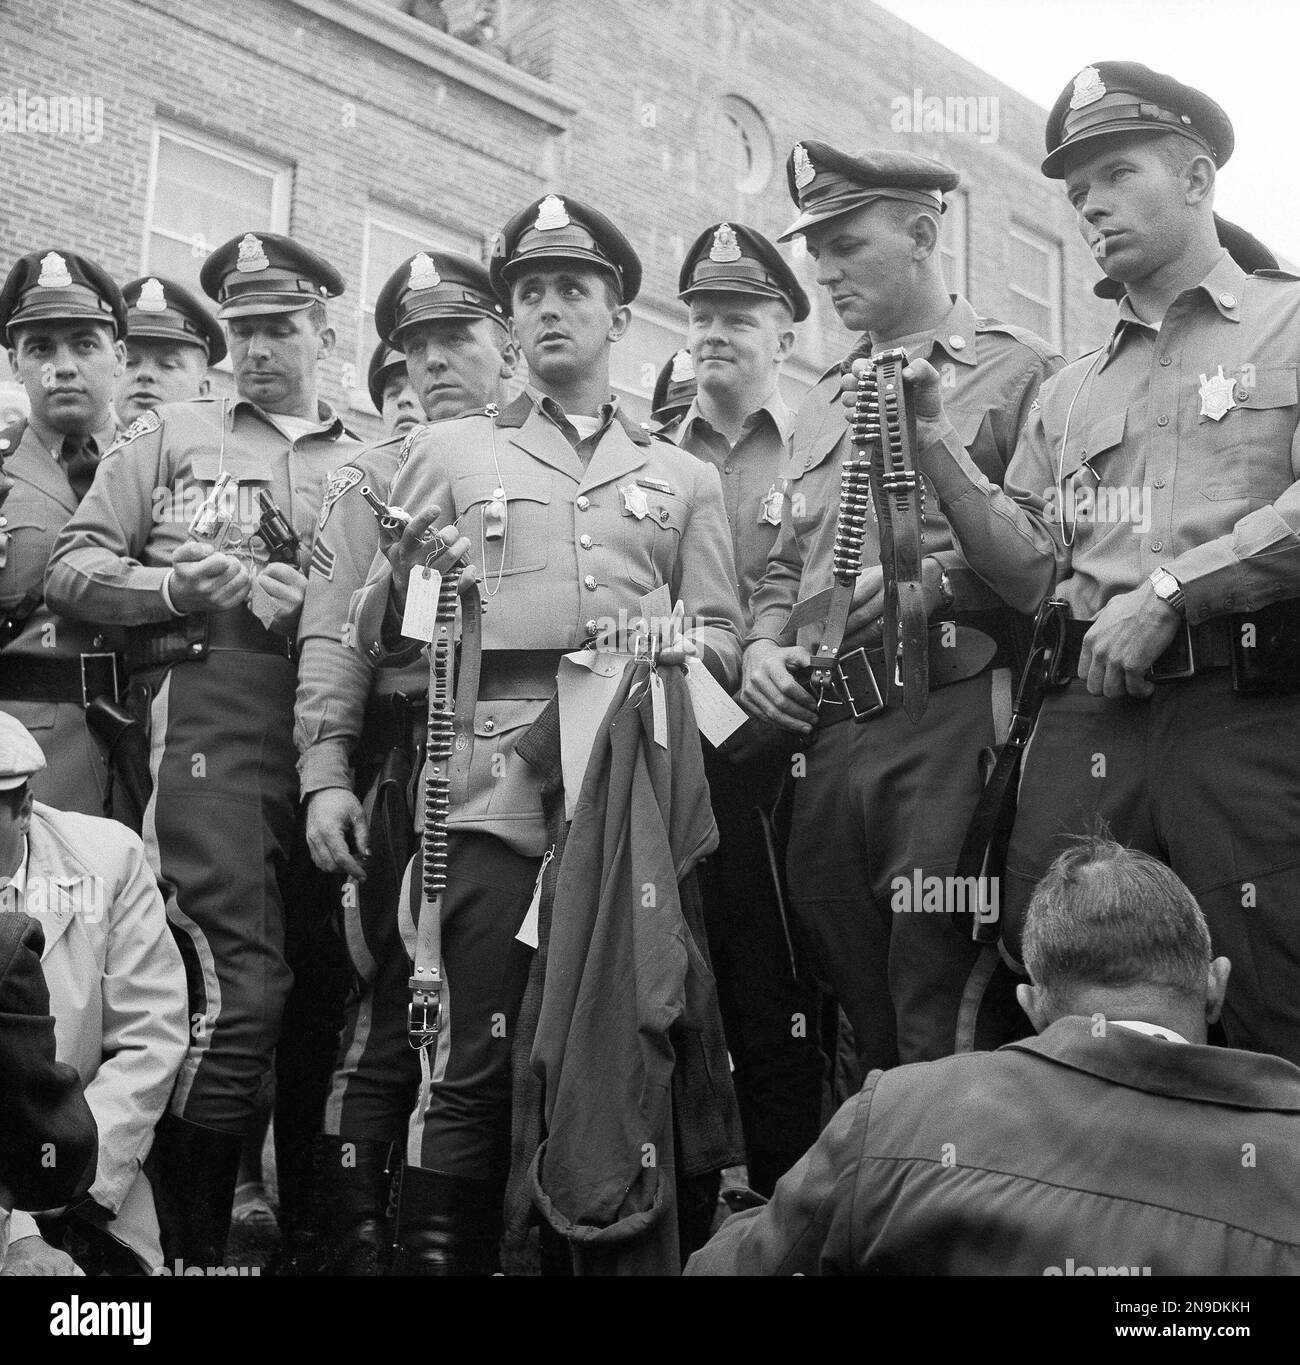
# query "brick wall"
(441, 138)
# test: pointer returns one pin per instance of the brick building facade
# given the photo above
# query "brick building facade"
(144, 132)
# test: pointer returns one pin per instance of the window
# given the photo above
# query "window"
(952, 243)
(635, 362)
(740, 153)
(1034, 283)
(391, 236)
(202, 193)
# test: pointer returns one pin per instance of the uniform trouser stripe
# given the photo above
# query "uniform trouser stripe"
(432, 1068)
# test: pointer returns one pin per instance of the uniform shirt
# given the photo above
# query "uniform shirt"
(36, 510)
(575, 554)
(752, 485)
(335, 680)
(1216, 500)
(990, 373)
(110, 561)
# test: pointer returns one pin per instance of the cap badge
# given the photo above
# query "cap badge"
(424, 274)
(1216, 396)
(152, 299)
(725, 247)
(682, 370)
(804, 171)
(252, 255)
(1088, 88)
(54, 272)
(551, 214)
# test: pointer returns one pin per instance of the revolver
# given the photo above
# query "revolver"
(275, 532)
(215, 521)
(392, 520)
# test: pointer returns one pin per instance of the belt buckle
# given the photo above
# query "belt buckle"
(1174, 673)
(116, 679)
(420, 1031)
(847, 691)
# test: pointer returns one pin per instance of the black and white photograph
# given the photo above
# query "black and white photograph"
(649, 638)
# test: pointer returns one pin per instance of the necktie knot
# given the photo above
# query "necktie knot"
(79, 459)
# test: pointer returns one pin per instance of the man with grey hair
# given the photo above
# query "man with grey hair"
(1115, 1143)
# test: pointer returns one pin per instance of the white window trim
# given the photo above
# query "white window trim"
(1051, 248)
(959, 206)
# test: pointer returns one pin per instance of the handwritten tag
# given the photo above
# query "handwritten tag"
(261, 603)
(658, 710)
(420, 619)
(528, 930)
(715, 713)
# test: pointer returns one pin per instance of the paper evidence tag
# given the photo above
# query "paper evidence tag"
(658, 709)
(715, 713)
(420, 619)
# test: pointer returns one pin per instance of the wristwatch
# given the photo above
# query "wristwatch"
(1169, 589)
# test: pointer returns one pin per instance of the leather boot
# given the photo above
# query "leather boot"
(193, 1176)
(353, 1184)
(446, 1224)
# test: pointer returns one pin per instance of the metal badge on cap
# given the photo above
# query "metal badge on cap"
(252, 255)
(152, 299)
(1088, 88)
(804, 172)
(551, 214)
(54, 272)
(725, 247)
(424, 274)
(682, 368)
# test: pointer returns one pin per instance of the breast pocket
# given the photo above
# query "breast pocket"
(1248, 451)
(651, 543)
(248, 478)
(1091, 475)
(516, 542)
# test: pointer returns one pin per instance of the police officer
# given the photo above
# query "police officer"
(1154, 490)
(358, 727)
(64, 320)
(571, 513)
(210, 648)
(884, 804)
(744, 301)
(171, 339)
(391, 391)
(674, 389)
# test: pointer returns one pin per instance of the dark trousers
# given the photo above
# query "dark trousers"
(461, 1122)
(769, 1002)
(1208, 782)
(879, 818)
(218, 831)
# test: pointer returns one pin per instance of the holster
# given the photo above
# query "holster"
(128, 759)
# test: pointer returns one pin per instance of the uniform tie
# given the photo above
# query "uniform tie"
(80, 459)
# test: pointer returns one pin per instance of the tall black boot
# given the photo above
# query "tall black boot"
(447, 1224)
(193, 1171)
(352, 1181)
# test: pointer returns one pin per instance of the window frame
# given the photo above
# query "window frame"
(1055, 302)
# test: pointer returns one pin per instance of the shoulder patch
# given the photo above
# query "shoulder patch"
(142, 426)
(342, 479)
(411, 437)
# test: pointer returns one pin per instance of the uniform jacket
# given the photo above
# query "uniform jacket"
(335, 680)
(40, 1098)
(628, 992)
(1064, 1154)
(753, 480)
(117, 993)
(110, 560)
(1182, 451)
(36, 510)
(572, 559)
(990, 372)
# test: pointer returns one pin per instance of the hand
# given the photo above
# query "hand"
(203, 580)
(770, 691)
(1130, 633)
(35, 1256)
(337, 836)
(674, 647)
(286, 586)
(421, 544)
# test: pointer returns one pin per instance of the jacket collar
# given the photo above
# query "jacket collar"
(620, 449)
(60, 886)
(329, 423)
(1192, 1071)
(777, 410)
